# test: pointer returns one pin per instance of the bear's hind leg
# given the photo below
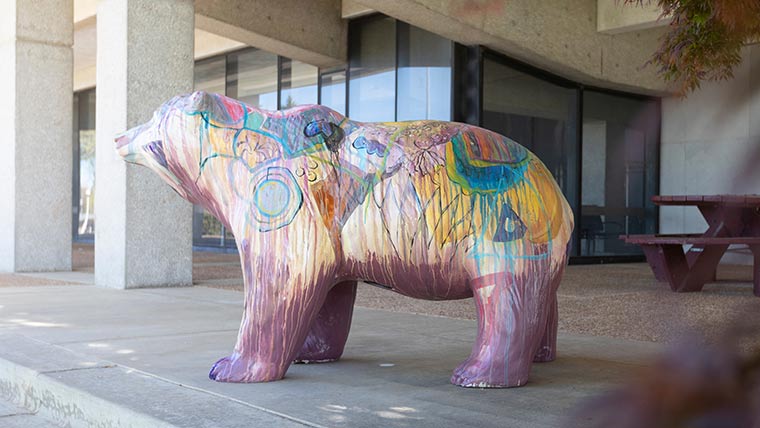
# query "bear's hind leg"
(511, 323)
(547, 350)
(329, 332)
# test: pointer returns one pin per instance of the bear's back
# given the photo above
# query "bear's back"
(483, 178)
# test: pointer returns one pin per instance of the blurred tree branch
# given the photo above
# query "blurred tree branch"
(704, 40)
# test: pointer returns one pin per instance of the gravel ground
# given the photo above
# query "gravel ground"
(17, 280)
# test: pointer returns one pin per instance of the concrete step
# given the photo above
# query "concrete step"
(75, 390)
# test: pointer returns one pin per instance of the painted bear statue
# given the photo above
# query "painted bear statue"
(316, 202)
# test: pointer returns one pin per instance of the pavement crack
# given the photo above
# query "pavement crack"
(18, 414)
(147, 336)
(73, 369)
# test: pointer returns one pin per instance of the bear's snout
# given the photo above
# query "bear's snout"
(144, 145)
(131, 144)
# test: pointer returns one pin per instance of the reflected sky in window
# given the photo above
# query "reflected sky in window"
(371, 97)
(424, 93)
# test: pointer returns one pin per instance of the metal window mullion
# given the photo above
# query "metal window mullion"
(279, 82)
(319, 85)
(395, 69)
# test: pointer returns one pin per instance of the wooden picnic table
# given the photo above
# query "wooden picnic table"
(731, 220)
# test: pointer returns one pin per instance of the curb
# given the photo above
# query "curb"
(41, 393)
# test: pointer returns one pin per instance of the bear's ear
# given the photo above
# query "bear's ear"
(335, 138)
(332, 135)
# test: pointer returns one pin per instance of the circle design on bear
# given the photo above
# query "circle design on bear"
(272, 197)
(276, 198)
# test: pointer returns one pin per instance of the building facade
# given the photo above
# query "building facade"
(566, 82)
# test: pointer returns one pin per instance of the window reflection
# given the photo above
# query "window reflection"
(252, 78)
(334, 90)
(298, 83)
(372, 62)
(398, 72)
(620, 139)
(84, 164)
(209, 75)
(424, 75)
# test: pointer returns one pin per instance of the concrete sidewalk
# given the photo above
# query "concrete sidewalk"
(141, 358)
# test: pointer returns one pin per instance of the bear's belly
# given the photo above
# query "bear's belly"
(435, 281)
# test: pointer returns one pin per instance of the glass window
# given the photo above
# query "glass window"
(620, 152)
(252, 78)
(84, 166)
(298, 83)
(208, 231)
(334, 90)
(424, 75)
(209, 75)
(538, 114)
(372, 70)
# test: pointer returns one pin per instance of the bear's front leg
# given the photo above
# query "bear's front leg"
(280, 306)
(329, 333)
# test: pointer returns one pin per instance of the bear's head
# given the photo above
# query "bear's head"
(212, 149)
(193, 133)
(168, 140)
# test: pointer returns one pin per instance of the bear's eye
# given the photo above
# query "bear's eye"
(156, 149)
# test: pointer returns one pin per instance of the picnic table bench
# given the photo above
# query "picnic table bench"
(731, 219)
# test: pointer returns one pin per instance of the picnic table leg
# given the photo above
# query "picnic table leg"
(657, 261)
(676, 267)
(668, 261)
(702, 270)
(691, 257)
(721, 221)
(756, 269)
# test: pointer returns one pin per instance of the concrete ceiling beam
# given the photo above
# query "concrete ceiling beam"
(615, 17)
(312, 32)
(554, 35)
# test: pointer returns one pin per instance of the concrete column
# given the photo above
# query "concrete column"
(143, 235)
(35, 147)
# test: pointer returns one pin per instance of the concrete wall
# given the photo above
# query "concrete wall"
(711, 143)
